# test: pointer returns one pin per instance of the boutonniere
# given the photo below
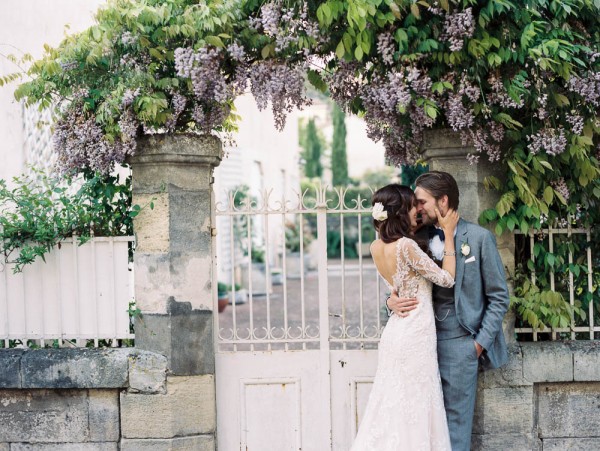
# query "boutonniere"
(465, 249)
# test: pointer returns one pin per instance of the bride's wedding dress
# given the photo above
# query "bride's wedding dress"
(405, 410)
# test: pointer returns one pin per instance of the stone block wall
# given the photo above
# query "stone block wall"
(101, 400)
(546, 398)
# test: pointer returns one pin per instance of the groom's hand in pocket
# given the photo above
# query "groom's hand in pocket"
(401, 306)
(478, 348)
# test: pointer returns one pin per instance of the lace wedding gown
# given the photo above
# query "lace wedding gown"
(405, 410)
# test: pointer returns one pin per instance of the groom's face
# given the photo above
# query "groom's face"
(426, 205)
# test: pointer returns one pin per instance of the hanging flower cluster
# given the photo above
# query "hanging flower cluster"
(485, 70)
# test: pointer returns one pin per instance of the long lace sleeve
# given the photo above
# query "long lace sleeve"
(410, 252)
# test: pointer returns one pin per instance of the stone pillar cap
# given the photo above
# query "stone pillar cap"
(179, 148)
(443, 144)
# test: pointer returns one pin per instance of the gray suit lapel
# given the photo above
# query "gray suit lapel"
(461, 232)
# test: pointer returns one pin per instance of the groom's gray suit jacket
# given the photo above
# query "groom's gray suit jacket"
(480, 292)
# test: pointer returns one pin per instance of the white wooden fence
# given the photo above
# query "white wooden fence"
(80, 293)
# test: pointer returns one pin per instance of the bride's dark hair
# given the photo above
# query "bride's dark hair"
(397, 200)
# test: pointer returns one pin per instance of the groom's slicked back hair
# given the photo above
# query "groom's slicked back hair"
(439, 183)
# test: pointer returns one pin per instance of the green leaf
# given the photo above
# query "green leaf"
(215, 40)
(96, 33)
(401, 36)
(156, 54)
(560, 198)
(316, 80)
(498, 229)
(414, 10)
(365, 43)
(548, 194)
(490, 214)
(348, 42)
(510, 223)
(358, 53)
(395, 11)
(340, 51)
(431, 111)
(575, 269)
(267, 50)
(561, 100)
(508, 121)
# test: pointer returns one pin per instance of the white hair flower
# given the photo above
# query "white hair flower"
(379, 212)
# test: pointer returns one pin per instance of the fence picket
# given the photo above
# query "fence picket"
(80, 293)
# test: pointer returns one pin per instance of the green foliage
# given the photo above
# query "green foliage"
(222, 288)
(525, 52)
(378, 178)
(410, 173)
(293, 234)
(542, 190)
(243, 200)
(557, 277)
(354, 197)
(38, 212)
(339, 159)
(543, 308)
(313, 147)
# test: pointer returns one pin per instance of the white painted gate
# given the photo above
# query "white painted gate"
(281, 383)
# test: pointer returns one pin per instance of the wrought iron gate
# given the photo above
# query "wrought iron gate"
(283, 383)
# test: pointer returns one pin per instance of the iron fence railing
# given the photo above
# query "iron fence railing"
(574, 284)
(316, 273)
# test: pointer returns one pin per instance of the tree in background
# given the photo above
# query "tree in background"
(313, 147)
(410, 173)
(339, 159)
(378, 178)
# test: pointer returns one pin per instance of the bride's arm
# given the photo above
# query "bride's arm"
(424, 265)
(448, 224)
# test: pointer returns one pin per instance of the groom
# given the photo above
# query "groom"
(469, 315)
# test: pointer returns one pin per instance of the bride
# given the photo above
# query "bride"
(406, 407)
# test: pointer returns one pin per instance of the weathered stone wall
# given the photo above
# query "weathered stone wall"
(546, 398)
(69, 399)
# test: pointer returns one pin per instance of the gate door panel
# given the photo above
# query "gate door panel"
(271, 401)
(296, 347)
(352, 374)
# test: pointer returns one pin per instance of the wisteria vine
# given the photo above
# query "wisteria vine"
(406, 68)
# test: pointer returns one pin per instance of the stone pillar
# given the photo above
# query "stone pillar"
(173, 267)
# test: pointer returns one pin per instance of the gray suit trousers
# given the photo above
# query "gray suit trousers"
(458, 364)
